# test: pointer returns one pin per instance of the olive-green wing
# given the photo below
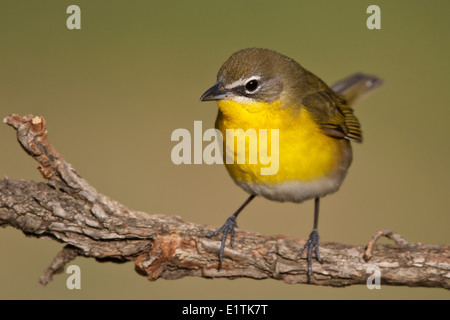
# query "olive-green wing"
(334, 116)
(331, 107)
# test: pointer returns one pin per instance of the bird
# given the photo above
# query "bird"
(262, 89)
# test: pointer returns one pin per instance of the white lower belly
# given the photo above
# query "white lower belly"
(294, 191)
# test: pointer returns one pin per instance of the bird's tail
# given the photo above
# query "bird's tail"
(357, 86)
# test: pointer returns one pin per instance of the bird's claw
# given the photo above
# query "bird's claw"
(311, 244)
(228, 227)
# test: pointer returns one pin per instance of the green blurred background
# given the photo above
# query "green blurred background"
(113, 92)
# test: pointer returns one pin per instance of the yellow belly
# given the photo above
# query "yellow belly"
(306, 155)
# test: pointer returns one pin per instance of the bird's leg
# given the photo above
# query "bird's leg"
(228, 227)
(313, 241)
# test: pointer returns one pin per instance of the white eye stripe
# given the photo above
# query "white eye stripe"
(241, 82)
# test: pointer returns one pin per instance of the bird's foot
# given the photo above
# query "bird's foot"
(311, 244)
(228, 227)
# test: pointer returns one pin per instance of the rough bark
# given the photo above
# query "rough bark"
(69, 210)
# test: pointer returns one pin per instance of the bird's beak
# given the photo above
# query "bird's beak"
(216, 92)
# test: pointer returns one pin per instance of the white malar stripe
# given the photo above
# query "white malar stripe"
(240, 99)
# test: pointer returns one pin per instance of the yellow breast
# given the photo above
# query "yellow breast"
(304, 153)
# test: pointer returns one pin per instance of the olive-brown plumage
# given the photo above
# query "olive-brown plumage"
(263, 89)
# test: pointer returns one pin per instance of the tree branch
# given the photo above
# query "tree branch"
(69, 210)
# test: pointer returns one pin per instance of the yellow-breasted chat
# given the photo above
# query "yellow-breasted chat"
(262, 89)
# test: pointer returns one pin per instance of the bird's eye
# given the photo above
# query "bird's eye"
(251, 86)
